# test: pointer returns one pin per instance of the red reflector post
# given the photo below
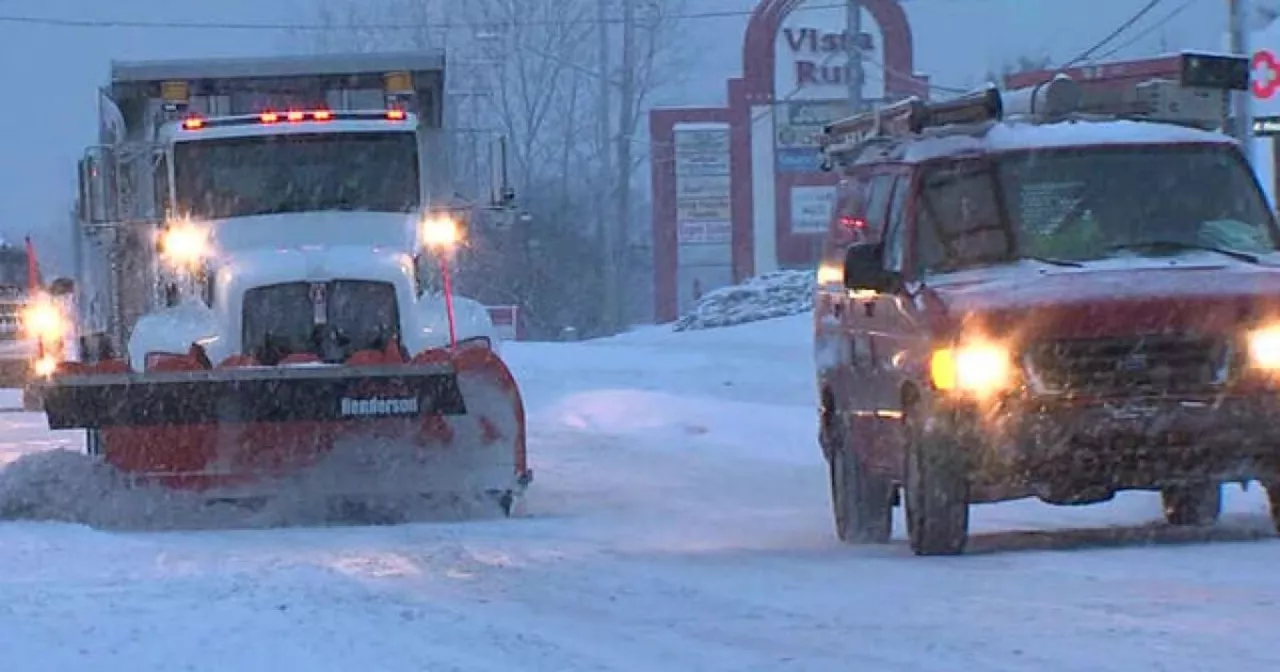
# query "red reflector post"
(269, 117)
(193, 124)
(395, 115)
(296, 116)
(322, 115)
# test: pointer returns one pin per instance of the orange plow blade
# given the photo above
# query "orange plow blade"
(446, 423)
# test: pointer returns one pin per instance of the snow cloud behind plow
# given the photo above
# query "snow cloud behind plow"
(70, 487)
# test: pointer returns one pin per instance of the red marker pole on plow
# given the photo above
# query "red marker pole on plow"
(440, 233)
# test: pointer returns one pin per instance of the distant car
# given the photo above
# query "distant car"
(1019, 298)
(16, 350)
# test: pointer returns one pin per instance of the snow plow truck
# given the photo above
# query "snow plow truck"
(263, 294)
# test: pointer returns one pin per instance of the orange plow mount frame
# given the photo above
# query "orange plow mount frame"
(238, 429)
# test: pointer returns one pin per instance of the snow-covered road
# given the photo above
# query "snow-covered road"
(679, 521)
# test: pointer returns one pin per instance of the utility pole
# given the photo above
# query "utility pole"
(607, 228)
(1239, 24)
(626, 127)
(853, 48)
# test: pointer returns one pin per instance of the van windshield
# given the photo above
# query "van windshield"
(271, 174)
(1087, 204)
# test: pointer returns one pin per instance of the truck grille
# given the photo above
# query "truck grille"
(1141, 365)
(331, 320)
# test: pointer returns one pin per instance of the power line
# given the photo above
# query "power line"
(1119, 30)
(399, 26)
(1162, 21)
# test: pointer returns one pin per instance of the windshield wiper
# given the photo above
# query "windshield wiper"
(1055, 262)
(1174, 246)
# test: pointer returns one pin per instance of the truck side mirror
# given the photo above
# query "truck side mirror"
(864, 270)
(501, 194)
(97, 171)
(84, 195)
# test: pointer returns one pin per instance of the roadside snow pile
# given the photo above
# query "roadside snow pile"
(764, 297)
(71, 487)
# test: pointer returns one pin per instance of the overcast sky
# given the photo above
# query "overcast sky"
(51, 73)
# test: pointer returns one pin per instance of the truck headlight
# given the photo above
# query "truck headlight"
(45, 367)
(43, 320)
(975, 368)
(1264, 348)
(440, 232)
(184, 245)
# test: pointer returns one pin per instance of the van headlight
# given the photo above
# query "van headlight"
(1264, 348)
(977, 368)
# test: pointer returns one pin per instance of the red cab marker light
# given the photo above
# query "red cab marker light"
(395, 115)
(193, 124)
(296, 116)
(322, 115)
(269, 117)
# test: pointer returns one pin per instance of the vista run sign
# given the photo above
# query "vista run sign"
(796, 77)
(813, 51)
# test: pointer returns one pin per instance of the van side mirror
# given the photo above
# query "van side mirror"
(864, 270)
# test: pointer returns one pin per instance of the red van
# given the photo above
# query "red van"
(1024, 295)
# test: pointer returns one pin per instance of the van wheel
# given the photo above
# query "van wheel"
(861, 501)
(1196, 505)
(937, 490)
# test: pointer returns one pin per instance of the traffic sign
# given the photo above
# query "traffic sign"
(1266, 74)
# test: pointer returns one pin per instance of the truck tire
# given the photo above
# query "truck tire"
(937, 490)
(1273, 499)
(1194, 505)
(862, 502)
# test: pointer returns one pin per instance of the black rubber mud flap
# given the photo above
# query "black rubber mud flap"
(248, 395)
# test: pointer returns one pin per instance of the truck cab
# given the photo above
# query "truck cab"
(270, 208)
(1032, 294)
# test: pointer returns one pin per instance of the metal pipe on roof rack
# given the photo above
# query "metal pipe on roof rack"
(1054, 99)
(974, 108)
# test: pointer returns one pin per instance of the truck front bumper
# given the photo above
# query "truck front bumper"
(1131, 443)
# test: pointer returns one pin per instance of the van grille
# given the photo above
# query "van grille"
(1141, 365)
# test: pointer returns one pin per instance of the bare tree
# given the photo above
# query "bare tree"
(545, 83)
(1023, 63)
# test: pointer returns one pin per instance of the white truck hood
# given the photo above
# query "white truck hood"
(311, 247)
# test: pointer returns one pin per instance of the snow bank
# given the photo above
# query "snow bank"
(771, 295)
(73, 487)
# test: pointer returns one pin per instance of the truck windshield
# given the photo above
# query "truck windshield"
(1092, 203)
(239, 177)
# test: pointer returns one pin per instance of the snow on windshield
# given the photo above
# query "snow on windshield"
(271, 174)
(1089, 203)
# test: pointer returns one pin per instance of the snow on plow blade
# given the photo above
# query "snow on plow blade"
(452, 425)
